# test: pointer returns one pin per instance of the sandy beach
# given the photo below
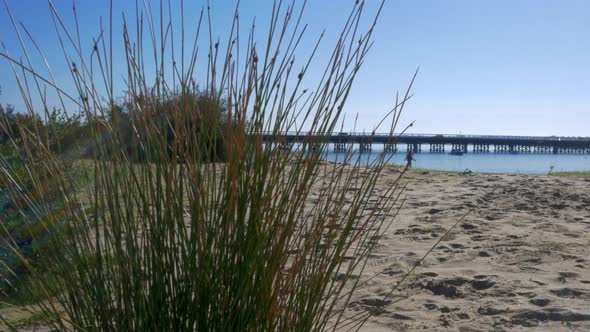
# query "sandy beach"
(519, 260)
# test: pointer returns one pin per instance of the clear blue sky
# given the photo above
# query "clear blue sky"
(516, 67)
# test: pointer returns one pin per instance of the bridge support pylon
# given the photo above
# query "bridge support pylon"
(481, 148)
(458, 146)
(437, 147)
(501, 148)
(415, 147)
(286, 146)
(390, 147)
(340, 147)
(365, 146)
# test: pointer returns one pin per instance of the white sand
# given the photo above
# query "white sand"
(518, 261)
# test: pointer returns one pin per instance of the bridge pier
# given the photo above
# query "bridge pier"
(389, 147)
(365, 146)
(481, 148)
(340, 147)
(286, 146)
(415, 147)
(437, 147)
(458, 146)
(521, 148)
(571, 150)
(501, 148)
(541, 149)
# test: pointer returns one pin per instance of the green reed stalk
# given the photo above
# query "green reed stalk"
(183, 218)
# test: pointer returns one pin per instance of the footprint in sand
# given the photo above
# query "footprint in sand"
(531, 318)
(540, 302)
(470, 228)
(430, 306)
(478, 238)
(572, 293)
(457, 246)
(484, 254)
(565, 276)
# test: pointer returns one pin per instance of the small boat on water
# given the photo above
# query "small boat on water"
(456, 152)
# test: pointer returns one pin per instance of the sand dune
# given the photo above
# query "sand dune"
(518, 261)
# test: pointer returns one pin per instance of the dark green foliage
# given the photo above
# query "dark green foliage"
(61, 135)
(14, 214)
(205, 124)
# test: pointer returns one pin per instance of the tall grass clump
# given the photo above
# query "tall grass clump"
(182, 216)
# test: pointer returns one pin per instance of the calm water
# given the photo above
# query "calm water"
(525, 163)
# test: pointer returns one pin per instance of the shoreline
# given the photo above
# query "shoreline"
(582, 174)
(496, 163)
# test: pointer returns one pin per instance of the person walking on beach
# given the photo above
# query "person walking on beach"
(410, 157)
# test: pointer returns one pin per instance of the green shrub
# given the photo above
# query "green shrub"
(193, 111)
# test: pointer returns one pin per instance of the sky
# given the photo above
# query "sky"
(501, 67)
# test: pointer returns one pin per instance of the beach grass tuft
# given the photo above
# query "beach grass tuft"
(182, 216)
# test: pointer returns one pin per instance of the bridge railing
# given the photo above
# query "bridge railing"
(441, 136)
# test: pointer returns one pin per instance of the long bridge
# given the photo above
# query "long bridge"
(438, 142)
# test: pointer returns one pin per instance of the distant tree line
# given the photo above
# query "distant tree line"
(72, 134)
